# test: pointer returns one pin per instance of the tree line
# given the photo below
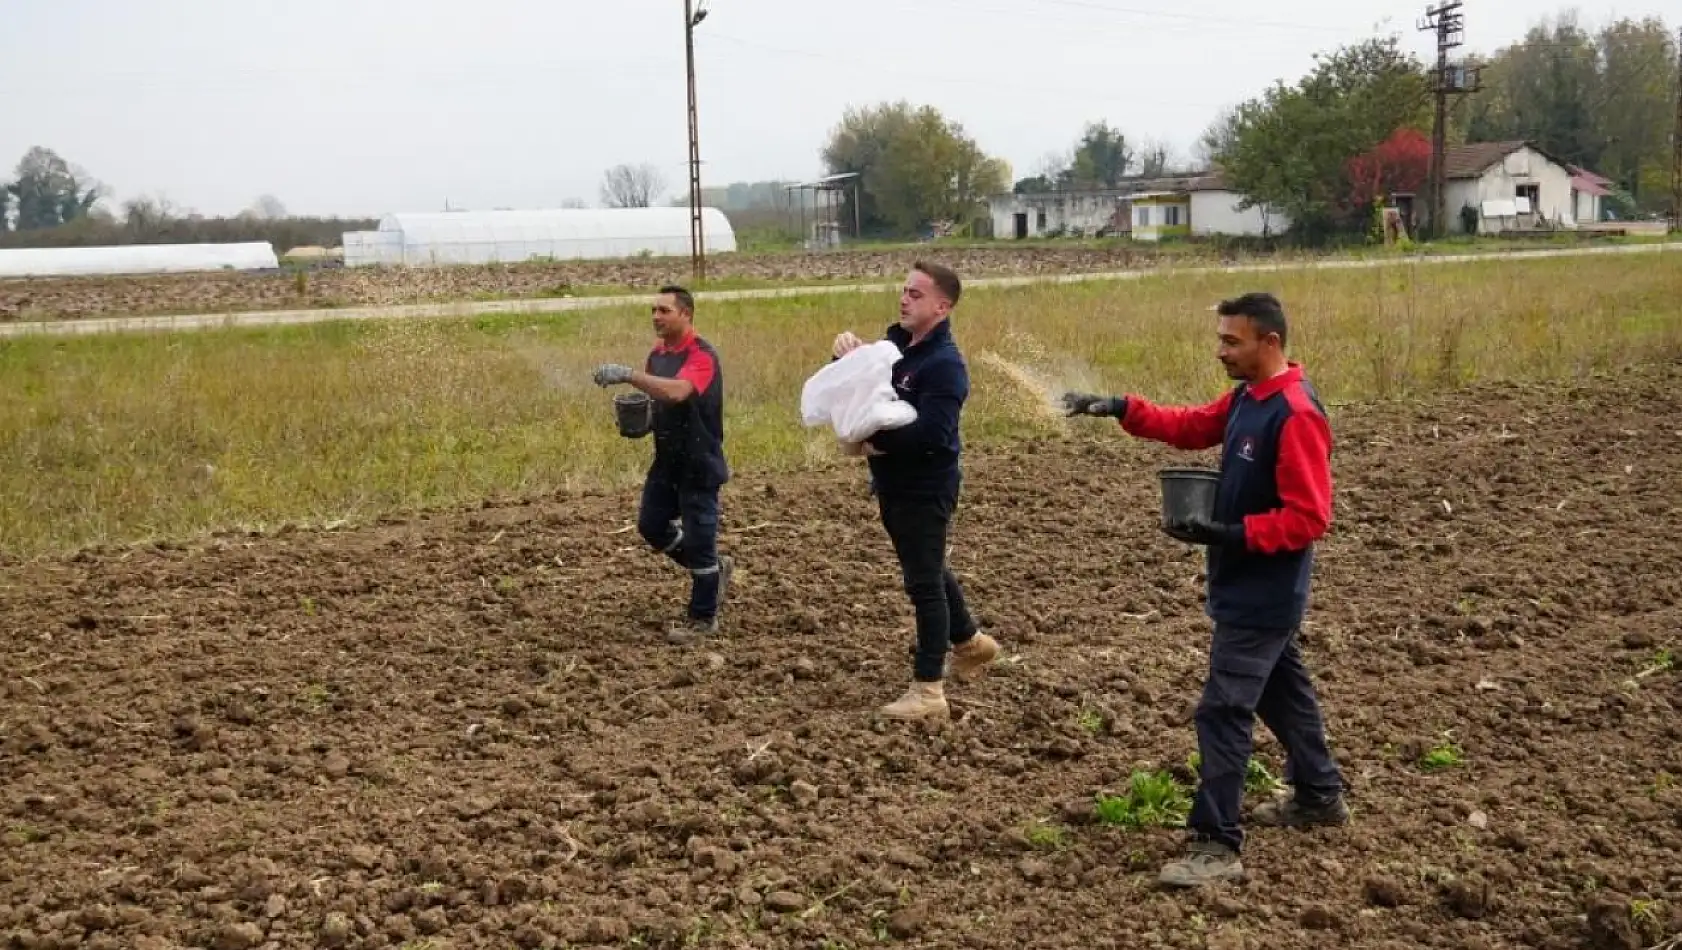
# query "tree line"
(1322, 150)
(1356, 126)
(1604, 100)
(51, 203)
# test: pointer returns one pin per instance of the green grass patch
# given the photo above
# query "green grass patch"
(114, 438)
(1152, 800)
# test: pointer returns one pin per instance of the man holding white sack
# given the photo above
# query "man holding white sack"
(915, 474)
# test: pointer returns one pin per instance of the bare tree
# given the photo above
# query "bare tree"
(631, 186)
(1155, 159)
(146, 217)
(573, 203)
(1217, 140)
(268, 208)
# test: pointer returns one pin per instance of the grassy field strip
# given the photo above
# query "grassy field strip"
(119, 437)
(206, 321)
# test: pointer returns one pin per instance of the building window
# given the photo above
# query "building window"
(1142, 216)
(1171, 216)
(1039, 220)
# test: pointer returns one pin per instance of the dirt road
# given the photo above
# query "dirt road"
(206, 321)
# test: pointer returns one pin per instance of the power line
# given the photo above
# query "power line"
(1190, 21)
(1193, 17)
(697, 242)
(998, 82)
(1448, 23)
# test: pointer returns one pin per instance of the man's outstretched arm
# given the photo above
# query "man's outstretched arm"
(1183, 427)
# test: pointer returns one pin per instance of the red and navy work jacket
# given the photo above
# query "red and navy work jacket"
(689, 435)
(1276, 480)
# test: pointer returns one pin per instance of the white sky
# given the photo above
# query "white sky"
(370, 106)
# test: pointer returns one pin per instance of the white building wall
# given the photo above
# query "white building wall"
(1588, 208)
(1216, 212)
(1501, 181)
(1066, 213)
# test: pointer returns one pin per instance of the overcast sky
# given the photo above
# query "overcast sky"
(370, 106)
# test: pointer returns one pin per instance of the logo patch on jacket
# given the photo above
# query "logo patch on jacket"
(1247, 448)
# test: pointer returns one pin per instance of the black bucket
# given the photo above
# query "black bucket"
(1188, 491)
(634, 413)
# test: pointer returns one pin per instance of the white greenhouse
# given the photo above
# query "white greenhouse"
(478, 237)
(135, 259)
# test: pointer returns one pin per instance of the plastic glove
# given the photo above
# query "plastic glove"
(609, 374)
(1198, 529)
(1087, 404)
(845, 343)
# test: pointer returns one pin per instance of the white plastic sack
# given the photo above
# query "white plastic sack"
(855, 394)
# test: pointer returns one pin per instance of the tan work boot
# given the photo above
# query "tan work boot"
(921, 701)
(1205, 862)
(970, 658)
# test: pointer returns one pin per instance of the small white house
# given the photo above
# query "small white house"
(1083, 213)
(1510, 186)
(1215, 211)
(1147, 209)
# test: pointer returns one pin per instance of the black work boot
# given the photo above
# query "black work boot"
(1293, 813)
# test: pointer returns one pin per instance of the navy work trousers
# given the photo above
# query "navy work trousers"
(1256, 672)
(681, 522)
(918, 526)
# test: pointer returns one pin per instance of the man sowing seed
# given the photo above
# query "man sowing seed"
(1274, 501)
(678, 515)
(916, 474)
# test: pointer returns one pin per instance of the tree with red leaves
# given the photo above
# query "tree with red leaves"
(1399, 163)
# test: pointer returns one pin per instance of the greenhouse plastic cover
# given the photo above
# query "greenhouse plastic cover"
(135, 259)
(463, 237)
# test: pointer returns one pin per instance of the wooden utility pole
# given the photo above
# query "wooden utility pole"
(697, 240)
(1447, 22)
(1676, 147)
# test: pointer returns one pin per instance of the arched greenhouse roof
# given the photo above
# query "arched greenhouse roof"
(563, 224)
(135, 259)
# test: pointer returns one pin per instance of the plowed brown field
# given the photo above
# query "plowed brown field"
(462, 730)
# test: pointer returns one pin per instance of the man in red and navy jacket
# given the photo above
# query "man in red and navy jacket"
(678, 516)
(1273, 503)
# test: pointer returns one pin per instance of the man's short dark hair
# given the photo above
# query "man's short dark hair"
(944, 277)
(1263, 309)
(685, 299)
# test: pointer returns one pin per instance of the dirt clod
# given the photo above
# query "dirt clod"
(1318, 917)
(1610, 926)
(908, 922)
(1384, 892)
(1468, 897)
(239, 937)
(336, 930)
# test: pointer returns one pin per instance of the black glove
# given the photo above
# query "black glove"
(1198, 529)
(1087, 404)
